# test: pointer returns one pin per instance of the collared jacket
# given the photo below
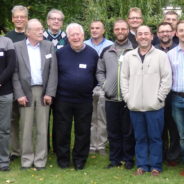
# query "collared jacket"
(22, 75)
(108, 70)
(145, 85)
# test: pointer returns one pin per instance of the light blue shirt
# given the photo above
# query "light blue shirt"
(99, 48)
(35, 63)
(176, 58)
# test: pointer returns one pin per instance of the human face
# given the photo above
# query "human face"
(35, 32)
(134, 20)
(19, 19)
(180, 32)
(172, 19)
(55, 22)
(75, 38)
(165, 34)
(144, 37)
(121, 31)
(97, 30)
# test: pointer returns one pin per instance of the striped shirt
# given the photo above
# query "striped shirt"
(176, 58)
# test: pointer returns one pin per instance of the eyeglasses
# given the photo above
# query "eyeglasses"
(54, 19)
(20, 17)
(162, 32)
(132, 18)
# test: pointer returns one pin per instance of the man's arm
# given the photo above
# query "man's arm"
(101, 72)
(51, 85)
(9, 55)
(124, 79)
(166, 77)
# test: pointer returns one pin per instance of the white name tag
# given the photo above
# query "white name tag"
(121, 58)
(83, 66)
(1, 53)
(48, 56)
(59, 46)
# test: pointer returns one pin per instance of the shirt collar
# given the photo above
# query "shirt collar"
(29, 44)
(99, 43)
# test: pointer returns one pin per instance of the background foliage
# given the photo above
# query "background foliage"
(84, 11)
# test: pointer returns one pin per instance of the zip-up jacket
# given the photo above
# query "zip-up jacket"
(108, 70)
(145, 85)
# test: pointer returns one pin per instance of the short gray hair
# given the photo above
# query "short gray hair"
(72, 26)
(30, 22)
(55, 11)
(19, 8)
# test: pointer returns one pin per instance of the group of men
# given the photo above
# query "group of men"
(113, 91)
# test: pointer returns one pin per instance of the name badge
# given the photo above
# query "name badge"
(48, 56)
(84, 66)
(1, 53)
(59, 46)
(121, 58)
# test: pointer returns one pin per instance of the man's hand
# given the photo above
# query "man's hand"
(47, 100)
(22, 100)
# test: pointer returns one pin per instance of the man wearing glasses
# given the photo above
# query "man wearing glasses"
(134, 20)
(19, 19)
(58, 38)
(54, 33)
(171, 146)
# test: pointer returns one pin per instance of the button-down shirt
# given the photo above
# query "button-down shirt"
(35, 63)
(176, 58)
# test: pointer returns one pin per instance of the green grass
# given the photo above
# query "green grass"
(94, 173)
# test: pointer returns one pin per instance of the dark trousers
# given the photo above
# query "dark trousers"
(64, 113)
(171, 141)
(120, 132)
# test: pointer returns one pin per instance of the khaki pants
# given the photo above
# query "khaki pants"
(34, 155)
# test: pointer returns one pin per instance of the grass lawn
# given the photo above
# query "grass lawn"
(94, 173)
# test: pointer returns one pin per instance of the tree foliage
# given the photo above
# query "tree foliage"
(84, 11)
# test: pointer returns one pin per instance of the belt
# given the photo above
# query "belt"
(179, 93)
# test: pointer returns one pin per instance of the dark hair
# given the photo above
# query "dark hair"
(165, 24)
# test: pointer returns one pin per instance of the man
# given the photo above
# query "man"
(7, 65)
(98, 124)
(19, 19)
(165, 33)
(119, 128)
(176, 59)
(58, 38)
(134, 20)
(76, 80)
(54, 33)
(35, 82)
(145, 82)
(171, 17)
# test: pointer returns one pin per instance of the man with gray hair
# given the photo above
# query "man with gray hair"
(35, 82)
(54, 33)
(76, 80)
(58, 38)
(19, 19)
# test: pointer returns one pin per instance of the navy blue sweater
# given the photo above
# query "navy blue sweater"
(76, 74)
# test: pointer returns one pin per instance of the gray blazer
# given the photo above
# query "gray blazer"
(22, 75)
